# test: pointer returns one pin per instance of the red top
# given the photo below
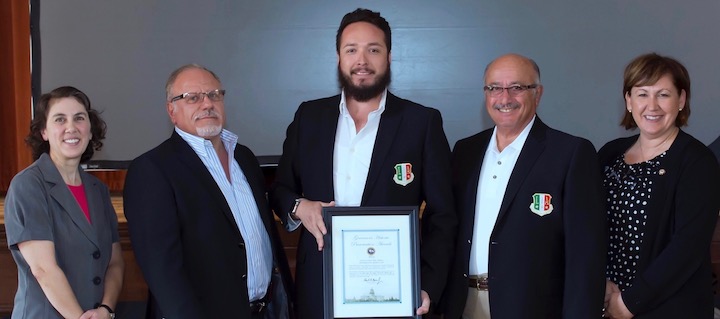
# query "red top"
(79, 193)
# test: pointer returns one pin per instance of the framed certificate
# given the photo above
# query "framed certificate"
(370, 262)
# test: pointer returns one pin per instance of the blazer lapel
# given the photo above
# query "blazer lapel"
(327, 129)
(534, 146)
(94, 196)
(60, 192)
(198, 169)
(474, 165)
(389, 123)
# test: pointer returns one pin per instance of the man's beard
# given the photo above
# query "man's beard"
(363, 93)
(208, 131)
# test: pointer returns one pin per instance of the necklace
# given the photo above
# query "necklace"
(654, 150)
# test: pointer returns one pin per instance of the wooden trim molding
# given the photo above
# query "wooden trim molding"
(15, 88)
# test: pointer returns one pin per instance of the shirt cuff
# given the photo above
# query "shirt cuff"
(292, 224)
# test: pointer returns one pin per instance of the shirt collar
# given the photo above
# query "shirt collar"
(519, 141)
(199, 144)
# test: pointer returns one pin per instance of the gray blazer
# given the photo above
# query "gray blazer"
(39, 206)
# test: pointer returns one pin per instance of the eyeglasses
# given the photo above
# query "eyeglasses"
(196, 97)
(513, 90)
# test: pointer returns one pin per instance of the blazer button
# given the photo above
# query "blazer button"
(241, 245)
(97, 280)
(96, 254)
(244, 277)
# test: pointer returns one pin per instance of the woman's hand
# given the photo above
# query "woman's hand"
(614, 305)
(99, 313)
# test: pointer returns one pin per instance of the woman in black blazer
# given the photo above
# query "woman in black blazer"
(662, 187)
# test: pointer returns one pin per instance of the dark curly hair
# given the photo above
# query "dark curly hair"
(365, 15)
(98, 128)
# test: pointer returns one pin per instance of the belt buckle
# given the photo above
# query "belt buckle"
(257, 306)
(481, 282)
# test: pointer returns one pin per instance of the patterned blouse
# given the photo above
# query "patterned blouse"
(629, 188)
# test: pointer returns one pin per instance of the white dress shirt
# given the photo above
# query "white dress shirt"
(244, 209)
(494, 176)
(352, 154)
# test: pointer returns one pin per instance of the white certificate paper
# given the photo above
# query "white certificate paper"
(371, 266)
(369, 255)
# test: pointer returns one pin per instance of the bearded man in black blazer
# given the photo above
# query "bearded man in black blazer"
(201, 228)
(345, 150)
(533, 236)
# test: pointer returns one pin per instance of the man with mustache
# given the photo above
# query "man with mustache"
(347, 150)
(533, 235)
(201, 228)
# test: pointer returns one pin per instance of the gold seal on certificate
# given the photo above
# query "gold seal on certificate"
(371, 262)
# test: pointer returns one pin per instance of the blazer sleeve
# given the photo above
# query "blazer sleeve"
(439, 220)
(586, 235)
(286, 187)
(154, 228)
(695, 213)
(27, 213)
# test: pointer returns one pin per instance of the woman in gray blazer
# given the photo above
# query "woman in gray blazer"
(61, 227)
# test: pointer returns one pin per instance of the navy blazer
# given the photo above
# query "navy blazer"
(408, 133)
(184, 236)
(674, 276)
(550, 266)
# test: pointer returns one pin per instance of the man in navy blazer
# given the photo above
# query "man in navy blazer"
(201, 228)
(533, 234)
(364, 147)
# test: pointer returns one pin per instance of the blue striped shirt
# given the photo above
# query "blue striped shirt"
(242, 203)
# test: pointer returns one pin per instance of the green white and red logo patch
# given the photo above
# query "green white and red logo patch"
(403, 174)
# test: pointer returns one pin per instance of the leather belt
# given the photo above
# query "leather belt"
(478, 282)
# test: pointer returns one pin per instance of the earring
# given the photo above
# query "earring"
(629, 110)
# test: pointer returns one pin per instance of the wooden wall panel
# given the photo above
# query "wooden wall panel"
(114, 179)
(8, 276)
(15, 88)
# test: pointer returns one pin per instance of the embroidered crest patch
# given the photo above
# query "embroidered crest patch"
(541, 204)
(403, 174)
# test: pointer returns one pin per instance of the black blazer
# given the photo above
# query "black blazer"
(186, 241)
(550, 266)
(408, 133)
(674, 276)
(715, 147)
